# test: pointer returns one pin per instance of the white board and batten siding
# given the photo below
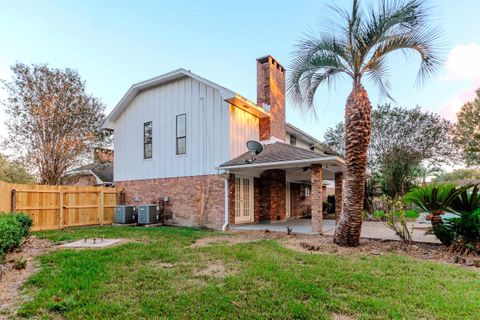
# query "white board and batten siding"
(216, 132)
(243, 127)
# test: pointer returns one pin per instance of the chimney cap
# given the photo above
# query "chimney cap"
(270, 59)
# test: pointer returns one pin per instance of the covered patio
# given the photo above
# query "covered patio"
(301, 226)
(281, 183)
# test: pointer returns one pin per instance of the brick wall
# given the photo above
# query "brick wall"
(271, 91)
(272, 195)
(300, 207)
(194, 201)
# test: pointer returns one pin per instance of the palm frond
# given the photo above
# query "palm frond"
(358, 47)
(433, 198)
(378, 73)
(317, 61)
(420, 41)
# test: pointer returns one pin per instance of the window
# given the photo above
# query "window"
(304, 191)
(147, 140)
(312, 148)
(181, 134)
(293, 140)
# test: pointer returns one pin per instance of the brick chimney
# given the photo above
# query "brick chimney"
(102, 155)
(271, 93)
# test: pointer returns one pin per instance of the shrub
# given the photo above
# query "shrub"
(462, 231)
(395, 218)
(327, 207)
(20, 263)
(13, 228)
(25, 221)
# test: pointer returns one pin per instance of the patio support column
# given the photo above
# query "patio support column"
(338, 194)
(316, 198)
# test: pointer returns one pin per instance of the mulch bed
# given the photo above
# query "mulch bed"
(16, 269)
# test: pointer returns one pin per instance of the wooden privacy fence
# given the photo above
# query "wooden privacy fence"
(56, 207)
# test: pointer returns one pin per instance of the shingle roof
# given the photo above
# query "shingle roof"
(275, 152)
(103, 170)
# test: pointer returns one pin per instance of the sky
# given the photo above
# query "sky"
(114, 44)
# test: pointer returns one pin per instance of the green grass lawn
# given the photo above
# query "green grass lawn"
(159, 275)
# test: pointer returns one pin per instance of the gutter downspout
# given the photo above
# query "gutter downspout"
(226, 200)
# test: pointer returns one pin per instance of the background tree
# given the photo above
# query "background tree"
(358, 45)
(52, 121)
(404, 142)
(462, 176)
(14, 172)
(467, 131)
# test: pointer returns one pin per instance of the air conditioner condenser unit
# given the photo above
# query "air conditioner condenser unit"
(125, 214)
(147, 214)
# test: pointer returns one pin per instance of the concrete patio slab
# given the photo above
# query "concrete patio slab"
(92, 243)
(370, 229)
(302, 226)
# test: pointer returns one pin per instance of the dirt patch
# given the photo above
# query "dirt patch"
(337, 316)
(11, 278)
(235, 237)
(215, 269)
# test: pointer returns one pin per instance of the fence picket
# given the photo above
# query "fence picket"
(56, 207)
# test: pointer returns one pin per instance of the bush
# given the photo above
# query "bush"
(13, 228)
(25, 221)
(395, 217)
(460, 232)
(408, 214)
(327, 207)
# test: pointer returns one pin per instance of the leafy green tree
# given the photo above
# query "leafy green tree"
(459, 174)
(14, 172)
(357, 46)
(52, 121)
(404, 143)
(467, 131)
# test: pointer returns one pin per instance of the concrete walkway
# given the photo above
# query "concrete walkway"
(370, 229)
(303, 226)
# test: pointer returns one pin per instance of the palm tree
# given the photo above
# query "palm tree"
(358, 45)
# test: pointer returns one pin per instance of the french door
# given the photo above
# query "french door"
(243, 200)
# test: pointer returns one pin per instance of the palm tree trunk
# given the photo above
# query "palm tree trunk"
(357, 138)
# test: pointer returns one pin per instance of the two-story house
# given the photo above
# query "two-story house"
(182, 136)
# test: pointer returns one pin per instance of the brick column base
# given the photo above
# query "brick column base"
(316, 196)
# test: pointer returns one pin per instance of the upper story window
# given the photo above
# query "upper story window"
(293, 140)
(147, 140)
(181, 134)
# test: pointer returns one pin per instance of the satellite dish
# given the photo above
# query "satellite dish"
(254, 146)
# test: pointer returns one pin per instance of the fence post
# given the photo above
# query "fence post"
(101, 212)
(14, 200)
(60, 209)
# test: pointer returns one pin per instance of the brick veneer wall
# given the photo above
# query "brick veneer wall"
(271, 91)
(269, 196)
(194, 201)
(273, 195)
(300, 207)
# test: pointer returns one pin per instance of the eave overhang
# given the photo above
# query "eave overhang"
(248, 106)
